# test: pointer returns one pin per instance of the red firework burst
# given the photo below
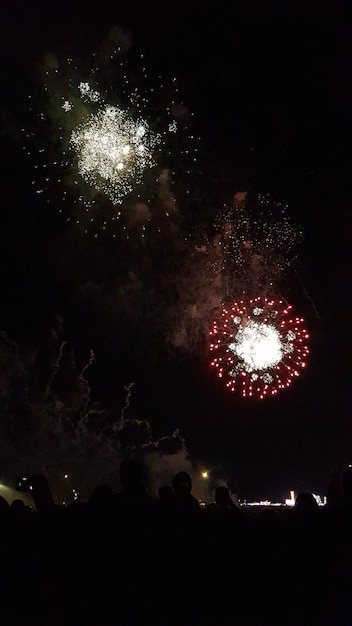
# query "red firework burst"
(258, 347)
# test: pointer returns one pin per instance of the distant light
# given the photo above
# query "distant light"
(291, 500)
(75, 494)
(319, 500)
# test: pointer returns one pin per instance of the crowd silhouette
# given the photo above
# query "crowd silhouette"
(125, 558)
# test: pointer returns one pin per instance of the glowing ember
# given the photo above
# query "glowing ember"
(258, 347)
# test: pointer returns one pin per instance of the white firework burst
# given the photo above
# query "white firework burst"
(113, 151)
(258, 346)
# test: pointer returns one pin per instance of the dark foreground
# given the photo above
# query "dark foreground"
(127, 559)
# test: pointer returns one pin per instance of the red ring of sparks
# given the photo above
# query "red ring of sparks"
(232, 369)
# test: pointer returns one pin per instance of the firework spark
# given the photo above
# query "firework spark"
(103, 137)
(259, 231)
(113, 151)
(258, 347)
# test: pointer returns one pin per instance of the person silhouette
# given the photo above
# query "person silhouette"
(223, 516)
(182, 487)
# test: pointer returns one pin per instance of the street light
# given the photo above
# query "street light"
(205, 476)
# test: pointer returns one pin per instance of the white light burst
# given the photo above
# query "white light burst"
(113, 151)
(104, 142)
(258, 346)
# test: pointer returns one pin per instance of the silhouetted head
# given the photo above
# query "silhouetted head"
(4, 505)
(18, 506)
(101, 495)
(166, 496)
(222, 496)
(182, 482)
(267, 519)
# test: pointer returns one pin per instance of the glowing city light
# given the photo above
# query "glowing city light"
(258, 347)
(291, 501)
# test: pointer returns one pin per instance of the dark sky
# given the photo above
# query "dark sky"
(270, 87)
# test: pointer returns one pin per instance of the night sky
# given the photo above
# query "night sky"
(270, 88)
